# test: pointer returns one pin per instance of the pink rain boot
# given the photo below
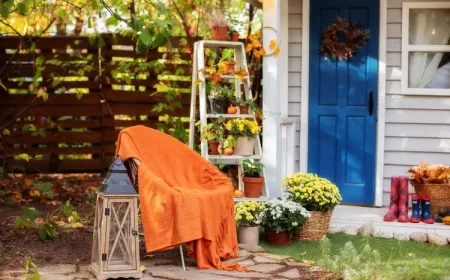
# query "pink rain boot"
(403, 200)
(392, 214)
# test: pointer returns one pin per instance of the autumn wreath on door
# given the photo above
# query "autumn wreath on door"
(342, 39)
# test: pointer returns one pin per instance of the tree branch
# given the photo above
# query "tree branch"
(108, 8)
(10, 26)
(72, 4)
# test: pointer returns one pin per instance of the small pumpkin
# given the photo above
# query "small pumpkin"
(232, 110)
(446, 220)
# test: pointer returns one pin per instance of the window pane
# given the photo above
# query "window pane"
(429, 70)
(429, 26)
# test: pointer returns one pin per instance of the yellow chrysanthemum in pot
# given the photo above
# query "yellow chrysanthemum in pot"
(319, 196)
(247, 216)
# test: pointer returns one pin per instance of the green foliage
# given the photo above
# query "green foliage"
(218, 163)
(90, 196)
(213, 131)
(230, 142)
(70, 212)
(45, 188)
(4, 198)
(34, 130)
(175, 127)
(220, 91)
(349, 264)
(227, 55)
(400, 260)
(30, 269)
(252, 168)
(48, 231)
(28, 218)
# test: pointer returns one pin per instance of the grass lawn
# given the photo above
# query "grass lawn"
(393, 252)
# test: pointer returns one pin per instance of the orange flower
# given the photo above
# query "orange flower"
(273, 44)
(276, 52)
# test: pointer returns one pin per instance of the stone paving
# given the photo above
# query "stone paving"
(262, 265)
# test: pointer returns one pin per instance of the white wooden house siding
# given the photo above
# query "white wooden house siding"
(295, 69)
(417, 126)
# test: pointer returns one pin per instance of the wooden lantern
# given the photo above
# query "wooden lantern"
(115, 248)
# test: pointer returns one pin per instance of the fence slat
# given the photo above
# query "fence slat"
(90, 125)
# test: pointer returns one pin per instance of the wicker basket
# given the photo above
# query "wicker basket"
(316, 227)
(439, 194)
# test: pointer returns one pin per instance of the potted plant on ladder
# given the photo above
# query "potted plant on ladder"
(213, 133)
(245, 131)
(217, 21)
(253, 179)
(218, 98)
(227, 58)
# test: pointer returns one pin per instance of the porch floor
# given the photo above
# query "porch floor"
(356, 216)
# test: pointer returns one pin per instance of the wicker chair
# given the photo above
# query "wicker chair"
(132, 167)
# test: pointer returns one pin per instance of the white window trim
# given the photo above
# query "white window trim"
(406, 48)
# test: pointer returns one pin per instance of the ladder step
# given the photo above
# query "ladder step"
(233, 159)
(229, 77)
(230, 116)
(214, 43)
(261, 198)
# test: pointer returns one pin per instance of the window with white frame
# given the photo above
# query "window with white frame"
(426, 48)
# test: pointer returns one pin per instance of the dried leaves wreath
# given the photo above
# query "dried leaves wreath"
(342, 39)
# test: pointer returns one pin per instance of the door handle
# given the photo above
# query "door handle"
(370, 105)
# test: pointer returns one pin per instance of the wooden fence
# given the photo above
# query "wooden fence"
(94, 88)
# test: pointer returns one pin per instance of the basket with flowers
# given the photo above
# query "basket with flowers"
(433, 181)
(319, 196)
(246, 214)
(282, 218)
(245, 131)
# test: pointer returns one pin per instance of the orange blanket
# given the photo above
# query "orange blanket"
(183, 198)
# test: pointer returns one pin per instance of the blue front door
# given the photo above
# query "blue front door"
(343, 103)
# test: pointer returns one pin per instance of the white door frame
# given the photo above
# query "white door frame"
(381, 97)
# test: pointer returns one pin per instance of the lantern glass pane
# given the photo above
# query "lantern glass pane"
(121, 237)
(97, 231)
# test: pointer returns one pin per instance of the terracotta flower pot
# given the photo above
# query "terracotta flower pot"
(234, 36)
(248, 235)
(214, 146)
(230, 66)
(244, 146)
(277, 238)
(219, 33)
(243, 109)
(253, 186)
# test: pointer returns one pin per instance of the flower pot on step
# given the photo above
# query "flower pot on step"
(277, 238)
(234, 36)
(243, 109)
(218, 105)
(248, 235)
(253, 186)
(230, 67)
(214, 147)
(219, 33)
(244, 146)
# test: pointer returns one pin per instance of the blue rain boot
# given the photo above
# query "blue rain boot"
(415, 217)
(426, 216)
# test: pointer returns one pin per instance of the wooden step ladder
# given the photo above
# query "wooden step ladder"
(205, 117)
